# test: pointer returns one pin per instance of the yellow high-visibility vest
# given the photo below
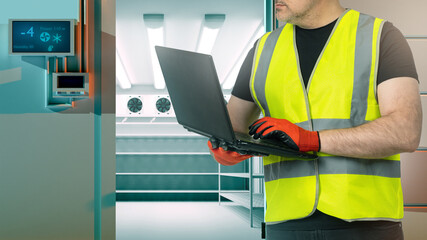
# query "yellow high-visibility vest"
(341, 93)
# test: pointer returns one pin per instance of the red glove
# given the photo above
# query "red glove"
(227, 158)
(290, 134)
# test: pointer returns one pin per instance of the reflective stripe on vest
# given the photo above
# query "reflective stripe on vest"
(332, 165)
(345, 72)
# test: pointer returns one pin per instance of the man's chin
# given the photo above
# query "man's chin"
(282, 16)
(282, 19)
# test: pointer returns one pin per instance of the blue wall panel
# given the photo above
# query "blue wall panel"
(47, 158)
(27, 95)
(38, 9)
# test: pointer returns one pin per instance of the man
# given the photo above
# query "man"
(343, 85)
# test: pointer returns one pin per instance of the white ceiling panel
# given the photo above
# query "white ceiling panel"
(183, 20)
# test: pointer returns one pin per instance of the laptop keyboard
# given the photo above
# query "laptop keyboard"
(265, 142)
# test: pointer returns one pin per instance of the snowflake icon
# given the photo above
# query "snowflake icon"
(57, 38)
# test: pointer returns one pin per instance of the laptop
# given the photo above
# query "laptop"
(200, 107)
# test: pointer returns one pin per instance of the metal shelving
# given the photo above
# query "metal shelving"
(166, 174)
(246, 198)
(176, 166)
(153, 157)
(242, 175)
(166, 191)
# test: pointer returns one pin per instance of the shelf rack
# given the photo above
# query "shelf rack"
(165, 166)
(246, 198)
(178, 154)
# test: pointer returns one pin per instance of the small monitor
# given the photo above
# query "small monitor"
(70, 85)
(41, 37)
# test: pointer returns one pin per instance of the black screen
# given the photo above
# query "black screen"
(71, 82)
(195, 92)
(41, 37)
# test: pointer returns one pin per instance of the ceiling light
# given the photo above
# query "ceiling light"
(209, 32)
(121, 74)
(155, 30)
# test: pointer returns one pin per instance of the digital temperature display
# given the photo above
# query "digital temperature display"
(41, 37)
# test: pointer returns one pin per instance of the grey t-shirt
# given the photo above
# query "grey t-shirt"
(396, 59)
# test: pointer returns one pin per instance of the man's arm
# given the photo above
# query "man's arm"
(242, 113)
(397, 130)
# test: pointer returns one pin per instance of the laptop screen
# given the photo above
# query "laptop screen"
(196, 95)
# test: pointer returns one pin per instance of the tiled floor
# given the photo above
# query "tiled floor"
(209, 221)
(182, 221)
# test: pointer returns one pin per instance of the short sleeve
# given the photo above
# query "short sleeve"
(241, 87)
(396, 59)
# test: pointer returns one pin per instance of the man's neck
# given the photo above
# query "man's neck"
(321, 15)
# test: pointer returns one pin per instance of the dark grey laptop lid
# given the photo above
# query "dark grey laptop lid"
(196, 95)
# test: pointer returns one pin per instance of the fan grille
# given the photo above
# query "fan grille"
(135, 105)
(163, 105)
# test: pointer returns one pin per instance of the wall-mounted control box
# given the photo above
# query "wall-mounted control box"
(41, 37)
(70, 85)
